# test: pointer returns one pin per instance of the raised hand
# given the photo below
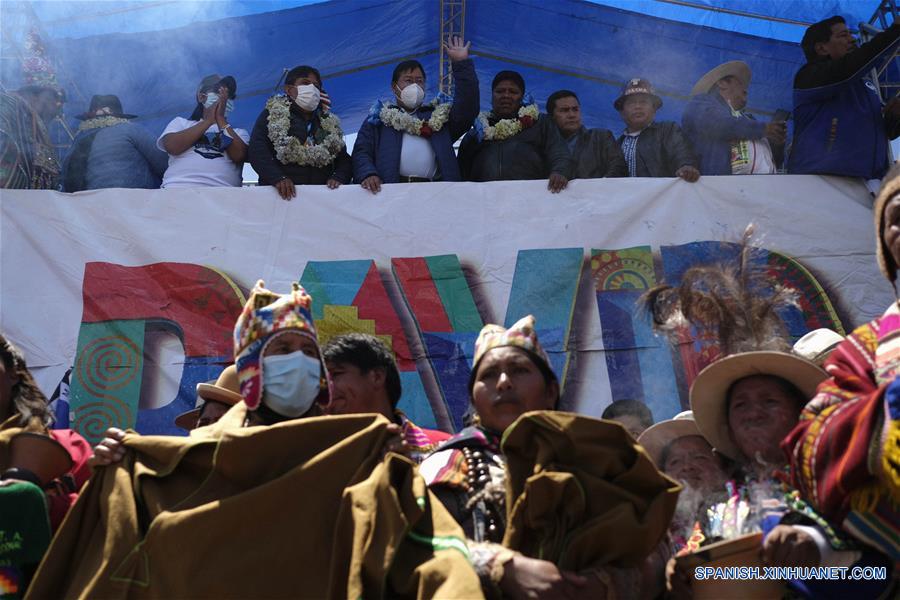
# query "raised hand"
(457, 49)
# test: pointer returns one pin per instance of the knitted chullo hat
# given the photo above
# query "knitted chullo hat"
(265, 315)
(890, 185)
(521, 335)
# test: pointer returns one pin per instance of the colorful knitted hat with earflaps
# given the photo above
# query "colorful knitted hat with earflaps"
(266, 314)
(520, 335)
(890, 186)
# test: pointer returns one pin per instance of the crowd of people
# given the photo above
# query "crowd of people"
(796, 446)
(299, 476)
(297, 140)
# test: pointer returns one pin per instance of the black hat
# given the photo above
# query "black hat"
(637, 86)
(215, 81)
(105, 106)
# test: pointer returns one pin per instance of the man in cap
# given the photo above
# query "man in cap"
(841, 126)
(205, 150)
(365, 379)
(727, 139)
(652, 148)
(213, 401)
(28, 159)
(513, 140)
(110, 151)
(594, 151)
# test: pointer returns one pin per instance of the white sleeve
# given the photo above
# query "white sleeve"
(175, 125)
(242, 133)
(828, 556)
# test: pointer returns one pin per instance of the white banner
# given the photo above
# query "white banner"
(136, 291)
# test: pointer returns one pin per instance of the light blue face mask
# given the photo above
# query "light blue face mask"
(290, 383)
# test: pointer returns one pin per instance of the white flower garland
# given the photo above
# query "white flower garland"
(506, 128)
(98, 122)
(403, 121)
(289, 149)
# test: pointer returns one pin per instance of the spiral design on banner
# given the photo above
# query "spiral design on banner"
(94, 418)
(108, 364)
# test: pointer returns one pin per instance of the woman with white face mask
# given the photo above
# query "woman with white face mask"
(297, 140)
(409, 141)
(279, 367)
(205, 150)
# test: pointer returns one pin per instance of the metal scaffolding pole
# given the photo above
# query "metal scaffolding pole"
(453, 22)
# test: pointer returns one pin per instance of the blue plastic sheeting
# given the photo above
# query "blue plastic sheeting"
(583, 46)
(84, 18)
(355, 42)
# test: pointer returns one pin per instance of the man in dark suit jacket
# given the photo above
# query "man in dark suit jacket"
(594, 151)
(652, 149)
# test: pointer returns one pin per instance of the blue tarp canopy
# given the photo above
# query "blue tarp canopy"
(153, 54)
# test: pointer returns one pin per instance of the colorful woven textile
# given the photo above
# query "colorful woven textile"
(845, 450)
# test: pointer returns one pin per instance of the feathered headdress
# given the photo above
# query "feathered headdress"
(732, 302)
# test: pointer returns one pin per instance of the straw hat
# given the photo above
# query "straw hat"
(817, 345)
(736, 68)
(655, 438)
(709, 392)
(225, 389)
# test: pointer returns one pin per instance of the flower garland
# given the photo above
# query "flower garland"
(98, 122)
(289, 149)
(403, 121)
(506, 128)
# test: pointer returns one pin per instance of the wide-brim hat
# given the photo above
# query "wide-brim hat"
(634, 87)
(105, 106)
(737, 68)
(655, 438)
(817, 345)
(890, 186)
(225, 389)
(709, 392)
(40, 454)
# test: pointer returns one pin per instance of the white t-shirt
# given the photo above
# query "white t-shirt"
(202, 164)
(417, 157)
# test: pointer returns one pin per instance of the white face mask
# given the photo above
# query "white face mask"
(212, 98)
(411, 96)
(290, 383)
(308, 97)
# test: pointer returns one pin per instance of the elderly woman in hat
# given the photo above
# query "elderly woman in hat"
(204, 149)
(514, 141)
(681, 452)
(110, 151)
(511, 375)
(727, 139)
(845, 450)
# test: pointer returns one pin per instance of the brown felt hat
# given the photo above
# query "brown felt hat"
(40, 454)
(225, 389)
(709, 392)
